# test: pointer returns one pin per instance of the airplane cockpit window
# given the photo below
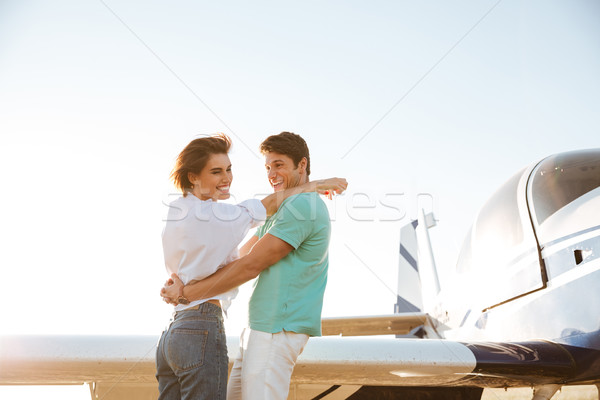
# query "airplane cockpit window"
(500, 252)
(497, 230)
(563, 178)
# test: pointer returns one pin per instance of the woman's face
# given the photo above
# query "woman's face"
(214, 180)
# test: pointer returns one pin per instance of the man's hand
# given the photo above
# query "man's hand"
(170, 291)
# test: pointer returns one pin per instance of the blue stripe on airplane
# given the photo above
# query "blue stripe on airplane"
(409, 259)
(403, 305)
(523, 361)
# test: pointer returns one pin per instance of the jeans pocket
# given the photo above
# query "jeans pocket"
(187, 348)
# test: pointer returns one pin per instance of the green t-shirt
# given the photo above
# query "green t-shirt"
(289, 294)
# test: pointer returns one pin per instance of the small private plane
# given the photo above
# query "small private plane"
(528, 316)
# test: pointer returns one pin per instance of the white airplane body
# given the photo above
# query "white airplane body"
(528, 313)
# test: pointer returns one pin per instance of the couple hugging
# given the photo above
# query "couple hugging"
(288, 254)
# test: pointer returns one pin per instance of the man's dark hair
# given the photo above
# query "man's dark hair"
(289, 144)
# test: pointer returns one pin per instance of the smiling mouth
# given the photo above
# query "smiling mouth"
(224, 189)
(277, 185)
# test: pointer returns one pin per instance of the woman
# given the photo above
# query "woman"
(201, 235)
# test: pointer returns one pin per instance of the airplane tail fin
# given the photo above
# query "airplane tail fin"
(418, 283)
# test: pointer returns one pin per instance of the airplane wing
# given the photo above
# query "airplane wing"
(68, 360)
(118, 367)
(397, 324)
(420, 368)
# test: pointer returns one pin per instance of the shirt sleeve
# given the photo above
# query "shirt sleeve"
(295, 220)
(256, 210)
(243, 216)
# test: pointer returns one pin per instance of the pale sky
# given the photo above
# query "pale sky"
(401, 98)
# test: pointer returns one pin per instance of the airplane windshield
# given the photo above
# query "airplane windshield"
(500, 252)
(563, 178)
(498, 229)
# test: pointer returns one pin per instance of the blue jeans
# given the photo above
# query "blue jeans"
(191, 359)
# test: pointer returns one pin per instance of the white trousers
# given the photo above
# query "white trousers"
(264, 365)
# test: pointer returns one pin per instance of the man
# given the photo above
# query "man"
(289, 254)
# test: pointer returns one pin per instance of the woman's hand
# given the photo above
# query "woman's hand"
(331, 186)
(171, 290)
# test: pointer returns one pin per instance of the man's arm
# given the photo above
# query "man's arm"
(266, 252)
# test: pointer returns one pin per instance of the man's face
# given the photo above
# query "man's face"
(282, 172)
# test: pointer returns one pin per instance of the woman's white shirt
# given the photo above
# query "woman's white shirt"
(201, 236)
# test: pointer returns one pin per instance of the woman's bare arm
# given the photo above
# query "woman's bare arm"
(323, 186)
